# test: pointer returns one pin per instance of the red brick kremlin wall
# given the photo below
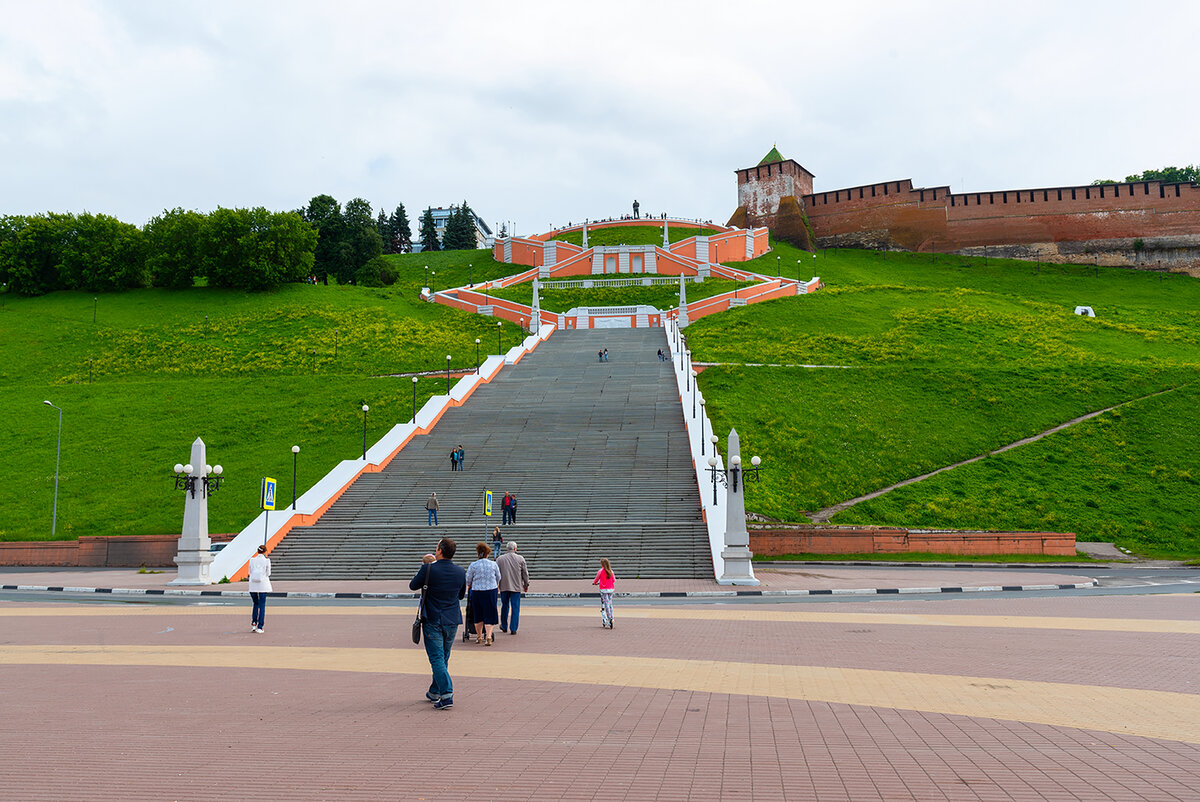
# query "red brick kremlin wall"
(1084, 223)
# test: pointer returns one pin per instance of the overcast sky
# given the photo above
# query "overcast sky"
(540, 112)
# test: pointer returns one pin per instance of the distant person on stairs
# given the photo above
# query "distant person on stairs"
(506, 509)
(462, 456)
(497, 542)
(607, 581)
(512, 509)
(454, 460)
(432, 506)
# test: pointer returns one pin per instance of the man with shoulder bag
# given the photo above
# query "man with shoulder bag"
(443, 585)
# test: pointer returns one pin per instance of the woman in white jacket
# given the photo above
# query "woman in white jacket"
(260, 586)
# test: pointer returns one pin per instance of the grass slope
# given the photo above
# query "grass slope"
(263, 372)
(947, 359)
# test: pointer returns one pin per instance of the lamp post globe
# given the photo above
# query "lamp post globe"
(476, 355)
(447, 374)
(414, 417)
(295, 465)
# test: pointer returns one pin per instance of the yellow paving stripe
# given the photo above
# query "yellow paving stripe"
(1152, 714)
(741, 614)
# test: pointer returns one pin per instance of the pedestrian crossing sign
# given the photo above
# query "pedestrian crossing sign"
(487, 502)
(268, 493)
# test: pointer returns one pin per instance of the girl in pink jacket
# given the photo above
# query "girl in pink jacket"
(607, 581)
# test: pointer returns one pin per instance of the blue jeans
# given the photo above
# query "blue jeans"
(438, 640)
(259, 609)
(432, 518)
(508, 597)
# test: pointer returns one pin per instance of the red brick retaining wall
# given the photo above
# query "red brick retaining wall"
(888, 540)
(121, 551)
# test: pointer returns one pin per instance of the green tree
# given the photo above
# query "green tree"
(1169, 175)
(31, 253)
(361, 236)
(325, 214)
(428, 232)
(100, 253)
(172, 248)
(383, 225)
(460, 229)
(254, 249)
(401, 230)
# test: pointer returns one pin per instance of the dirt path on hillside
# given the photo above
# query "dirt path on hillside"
(823, 516)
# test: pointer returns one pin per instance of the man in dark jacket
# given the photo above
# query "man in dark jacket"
(447, 585)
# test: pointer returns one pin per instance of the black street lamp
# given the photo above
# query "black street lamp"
(729, 476)
(414, 420)
(693, 377)
(702, 427)
(499, 328)
(476, 356)
(95, 303)
(687, 371)
(295, 465)
(365, 409)
(447, 374)
(432, 281)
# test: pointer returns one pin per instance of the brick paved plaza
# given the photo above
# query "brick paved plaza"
(968, 698)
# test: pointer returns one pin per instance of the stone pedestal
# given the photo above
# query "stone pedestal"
(736, 554)
(194, 556)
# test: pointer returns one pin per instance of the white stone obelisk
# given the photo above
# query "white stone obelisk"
(736, 554)
(682, 318)
(194, 557)
(666, 241)
(585, 245)
(535, 318)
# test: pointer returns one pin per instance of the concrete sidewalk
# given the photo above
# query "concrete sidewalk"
(1059, 697)
(775, 580)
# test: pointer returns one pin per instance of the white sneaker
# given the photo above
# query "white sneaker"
(259, 630)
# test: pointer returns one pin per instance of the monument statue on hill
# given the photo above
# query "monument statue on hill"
(635, 209)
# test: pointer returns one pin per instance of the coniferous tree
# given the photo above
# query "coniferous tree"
(451, 236)
(383, 224)
(428, 232)
(401, 230)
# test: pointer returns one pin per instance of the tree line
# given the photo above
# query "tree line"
(247, 249)
(1169, 175)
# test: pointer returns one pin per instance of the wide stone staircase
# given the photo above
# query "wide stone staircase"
(595, 453)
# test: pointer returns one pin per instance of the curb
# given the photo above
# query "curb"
(666, 594)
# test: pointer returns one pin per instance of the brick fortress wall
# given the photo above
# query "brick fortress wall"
(1142, 224)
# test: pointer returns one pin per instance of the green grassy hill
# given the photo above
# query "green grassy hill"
(942, 361)
(251, 374)
(929, 361)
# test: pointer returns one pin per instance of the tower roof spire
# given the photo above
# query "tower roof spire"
(773, 156)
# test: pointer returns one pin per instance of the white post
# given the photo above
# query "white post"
(681, 320)
(194, 556)
(736, 554)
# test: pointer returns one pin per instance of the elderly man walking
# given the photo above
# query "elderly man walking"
(443, 584)
(514, 580)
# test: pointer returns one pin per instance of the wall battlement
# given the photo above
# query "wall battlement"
(1134, 224)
